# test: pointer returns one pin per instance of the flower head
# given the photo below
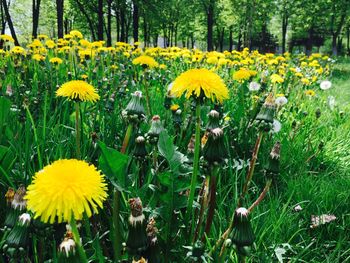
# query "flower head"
(198, 82)
(242, 75)
(56, 60)
(326, 84)
(275, 78)
(78, 90)
(66, 188)
(145, 61)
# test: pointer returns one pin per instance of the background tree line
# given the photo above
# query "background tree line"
(266, 25)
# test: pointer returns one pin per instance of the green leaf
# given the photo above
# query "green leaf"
(113, 164)
(5, 106)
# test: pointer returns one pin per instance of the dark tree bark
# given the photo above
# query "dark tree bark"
(59, 9)
(3, 24)
(135, 21)
(221, 39)
(36, 11)
(239, 44)
(309, 42)
(9, 21)
(231, 40)
(88, 19)
(210, 24)
(122, 25)
(109, 23)
(284, 31)
(100, 20)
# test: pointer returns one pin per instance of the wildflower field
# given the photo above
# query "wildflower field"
(131, 154)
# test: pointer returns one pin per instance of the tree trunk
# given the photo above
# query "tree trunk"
(135, 21)
(221, 39)
(210, 25)
(122, 25)
(36, 11)
(3, 24)
(59, 9)
(231, 40)
(239, 44)
(334, 45)
(309, 42)
(109, 23)
(9, 21)
(284, 32)
(100, 20)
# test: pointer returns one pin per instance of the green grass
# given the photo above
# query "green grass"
(319, 189)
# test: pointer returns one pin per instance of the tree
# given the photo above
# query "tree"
(60, 9)
(5, 5)
(100, 20)
(36, 11)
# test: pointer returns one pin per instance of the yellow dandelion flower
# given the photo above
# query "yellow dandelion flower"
(310, 93)
(42, 36)
(275, 78)
(66, 189)
(50, 44)
(84, 76)
(78, 90)
(38, 57)
(198, 82)
(145, 61)
(242, 75)
(76, 34)
(305, 81)
(18, 50)
(7, 38)
(56, 60)
(174, 107)
(162, 66)
(212, 60)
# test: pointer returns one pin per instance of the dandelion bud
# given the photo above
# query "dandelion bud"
(18, 201)
(67, 249)
(267, 113)
(141, 260)
(242, 233)
(152, 231)
(135, 106)
(177, 118)
(24, 219)
(214, 150)
(214, 118)
(190, 146)
(140, 150)
(137, 237)
(9, 196)
(273, 166)
(155, 130)
(18, 237)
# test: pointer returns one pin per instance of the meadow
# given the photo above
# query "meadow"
(131, 154)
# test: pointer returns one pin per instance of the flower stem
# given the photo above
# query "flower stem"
(189, 211)
(251, 168)
(261, 196)
(77, 130)
(126, 138)
(212, 201)
(76, 237)
(116, 235)
(149, 109)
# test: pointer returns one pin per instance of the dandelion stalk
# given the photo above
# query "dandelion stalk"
(35, 136)
(261, 196)
(77, 130)
(212, 200)
(149, 109)
(116, 202)
(251, 168)
(76, 237)
(126, 138)
(189, 213)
